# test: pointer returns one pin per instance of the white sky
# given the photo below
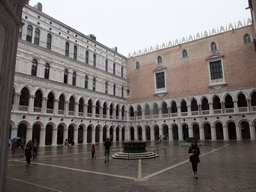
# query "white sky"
(131, 25)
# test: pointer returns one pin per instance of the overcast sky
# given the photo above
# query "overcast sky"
(131, 25)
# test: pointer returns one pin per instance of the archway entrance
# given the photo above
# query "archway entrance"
(185, 131)
(80, 134)
(165, 132)
(22, 131)
(117, 134)
(111, 133)
(97, 134)
(219, 131)
(104, 133)
(207, 131)
(36, 133)
(123, 134)
(132, 133)
(245, 128)
(140, 133)
(156, 131)
(89, 134)
(175, 133)
(70, 133)
(60, 135)
(196, 131)
(232, 131)
(48, 134)
(148, 133)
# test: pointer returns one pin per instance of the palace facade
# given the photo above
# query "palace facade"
(70, 86)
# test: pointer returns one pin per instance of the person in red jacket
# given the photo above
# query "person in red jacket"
(93, 151)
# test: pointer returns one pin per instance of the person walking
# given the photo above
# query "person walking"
(14, 147)
(66, 143)
(93, 151)
(28, 150)
(107, 145)
(35, 147)
(160, 138)
(194, 153)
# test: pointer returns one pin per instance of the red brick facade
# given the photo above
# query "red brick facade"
(190, 76)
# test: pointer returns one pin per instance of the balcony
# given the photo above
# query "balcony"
(230, 110)
(205, 112)
(217, 111)
(49, 110)
(242, 109)
(61, 112)
(184, 114)
(80, 114)
(23, 108)
(194, 113)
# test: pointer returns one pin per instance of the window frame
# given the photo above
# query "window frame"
(37, 36)
(250, 38)
(94, 84)
(67, 49)
(86, 82)
(137, 65)
(114, 89)
(114, 68)
(94, 60)
(87, 57)
(106, 87)
(47, 71)
(159, 70)
(184, 51)
(157, 59)
(212, 50)
(49, 41)
(74, 78)
(34, 67)
(65, 79)
(75, 52)
(106, 65)
(29, 33)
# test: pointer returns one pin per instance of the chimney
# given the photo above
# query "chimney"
(39, 6)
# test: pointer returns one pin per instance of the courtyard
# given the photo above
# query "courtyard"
(224, 166)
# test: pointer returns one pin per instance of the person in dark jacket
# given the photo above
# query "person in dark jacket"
(194, 153)
(28, 154)
(107, 145)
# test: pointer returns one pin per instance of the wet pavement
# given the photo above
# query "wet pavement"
(225, 166)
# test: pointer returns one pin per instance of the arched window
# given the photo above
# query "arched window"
(213, 46)
(159, 60)
(184, 53)
(34, 67)
(67, 49)
(114, 89)
(94, 84)
(37, 36)
(122, 92)
(106, 65)
(137, 65)
(29, 33)
(47, 71)
(74, 79)
(66, 76)
(49, 41)
(86, 57)
(94, 60)
(106, 87)
(86, 82)
(114, 68)
(75, 52)
(247, 38)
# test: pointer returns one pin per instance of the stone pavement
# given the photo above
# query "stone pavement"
(225, 166)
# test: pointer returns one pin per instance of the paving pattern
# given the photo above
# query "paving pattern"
(225, 166)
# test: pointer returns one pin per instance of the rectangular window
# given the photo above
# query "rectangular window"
(122, 72)
(216, 70)
(160, 80)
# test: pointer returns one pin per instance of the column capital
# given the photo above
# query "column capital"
(31, 96)
(67, 102)
(45, 98)
(56, 100)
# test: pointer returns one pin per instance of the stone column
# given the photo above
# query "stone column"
(54, 136)
(126, 114)
(14, 132)
(70, 76)
(252, 132)
(225, 133)
(236, 110)
(101, 135)
(161, 131)
(201, 132)
(200, 109)
(180, 134)
(29, 134)
(66, 108)
(170, 134)
(56, 106)
(107, 113)
(238, 133)
(101, 112)
(76, 134)
(249, 104)
(85, 110)
(127, 136)
(179, 110)
(31, 103)
(120, 114)
(114, 113)
(76, 110)
(211, 108)
(143, 134)
(151, 113)
(114, 134)
(169, 111)
(222, 107)
(44, 105)
(16, 101)
(213, 133)
(160, 112)
(143, 114)
(42, 137)
(189, 110)
(85, 136)
(65, 136)
(190, 131)
(93, 111)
